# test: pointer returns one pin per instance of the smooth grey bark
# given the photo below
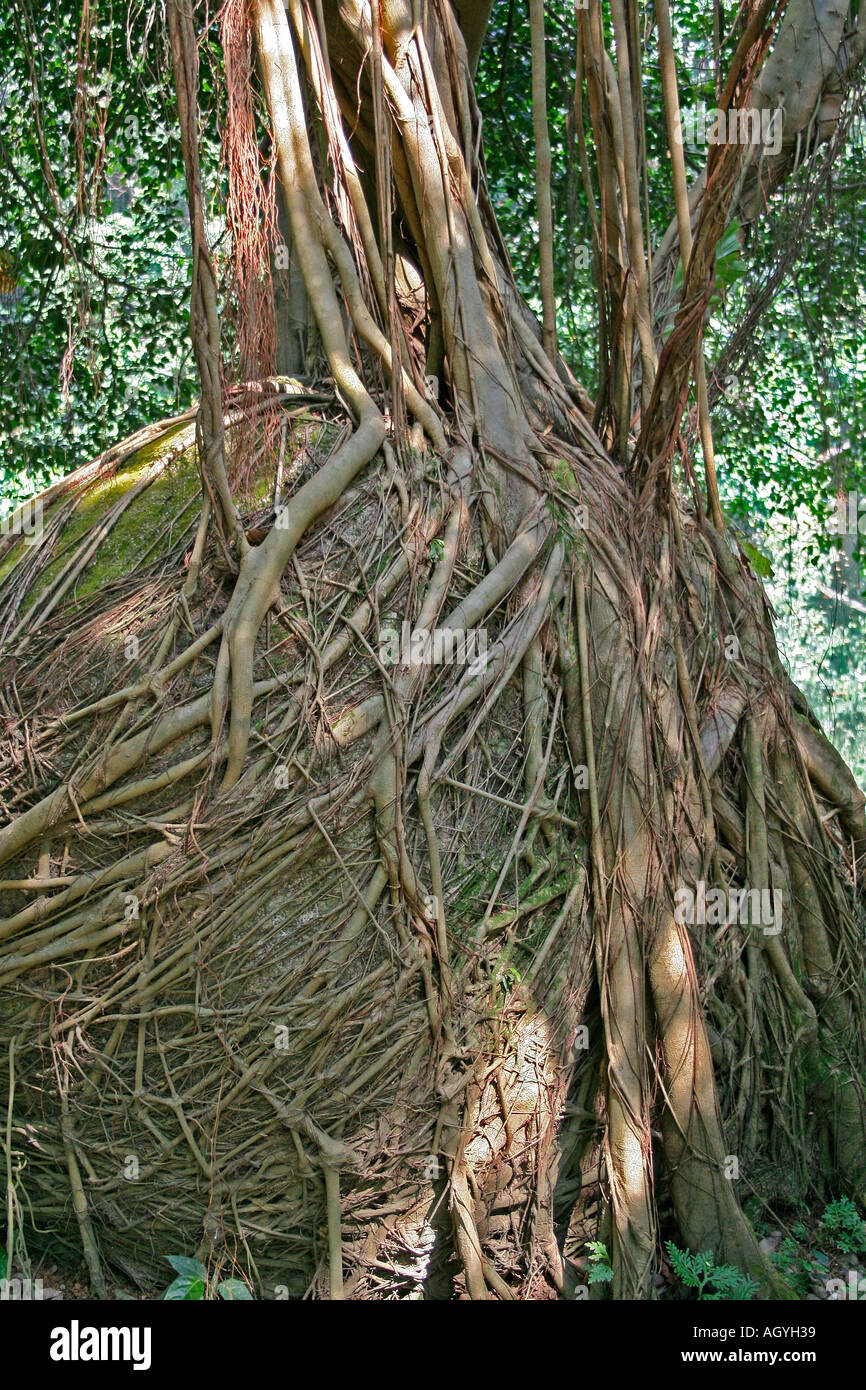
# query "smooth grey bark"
(291, 306)
(473, 17)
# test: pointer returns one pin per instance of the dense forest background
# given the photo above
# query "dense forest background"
(95, 268)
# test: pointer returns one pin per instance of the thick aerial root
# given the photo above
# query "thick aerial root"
(701, 1173)
(392, 967)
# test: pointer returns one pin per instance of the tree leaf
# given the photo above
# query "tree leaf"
(193, 1269)
(184, 1289)
(234, 1290)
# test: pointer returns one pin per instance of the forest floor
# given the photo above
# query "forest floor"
(811, 1262)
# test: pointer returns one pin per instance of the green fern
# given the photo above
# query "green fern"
(713, 1282)
(841, 1220)
(600, 1271)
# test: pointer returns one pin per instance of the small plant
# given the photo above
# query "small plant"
(713, 1282)
(798, 1268)
(509, 976)
(191, 1283)
(600, 1271)
(842, 1221)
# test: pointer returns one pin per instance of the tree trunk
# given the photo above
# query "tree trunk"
(454, 876)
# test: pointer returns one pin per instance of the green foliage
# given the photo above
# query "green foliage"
(713, 1282)
(729, 269)
(191, 1279)
(503, 86)
(191, 1283)
(600, 1270)
(234, 1290)
(94, 239)
(802, 1270)
(821, 637)
(842, 1221)
(509, 975)
(790, 406)
(761, 563)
